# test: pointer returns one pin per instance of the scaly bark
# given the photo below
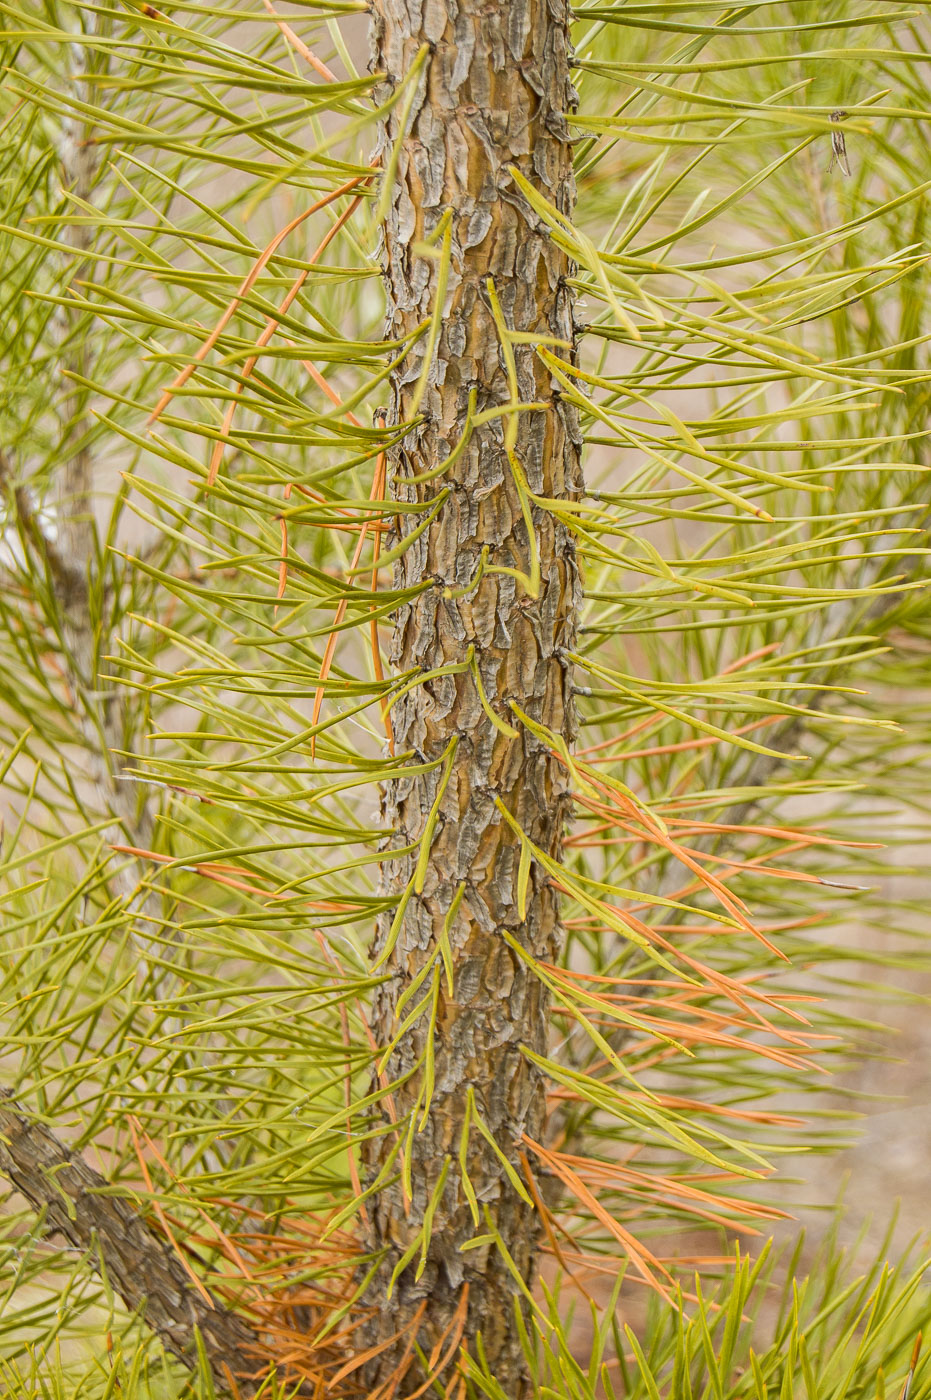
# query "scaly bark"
(491, 96)
(141, 1266)
(100, 709)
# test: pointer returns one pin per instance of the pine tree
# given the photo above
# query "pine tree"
(465, 524)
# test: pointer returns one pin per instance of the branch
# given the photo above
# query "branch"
(146, 1273)
(68, 581)
(80, 165)
(74, 1200)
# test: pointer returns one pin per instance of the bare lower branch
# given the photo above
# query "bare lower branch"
(142, 1267)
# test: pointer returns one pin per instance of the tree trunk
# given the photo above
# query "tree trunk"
(490, 97)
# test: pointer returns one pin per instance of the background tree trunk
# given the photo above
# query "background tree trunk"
(491, 96)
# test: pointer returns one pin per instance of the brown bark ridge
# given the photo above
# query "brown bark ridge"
(490, 97)
(141, 1266)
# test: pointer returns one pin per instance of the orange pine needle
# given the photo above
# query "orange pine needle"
(331, 393)
(388, 1390)
(546, 1216)
(217, 872)
(232, 1252)
(615, 805)
(691, 1197)
(364, 1356)
(916, 1351)
(283, 565)
(706, 741)
(299, 46)
(652, 720)
(273, 322)
(643, 1260)
(436, 1367)
(245, 288)
(163, 1220)
(750, 657)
